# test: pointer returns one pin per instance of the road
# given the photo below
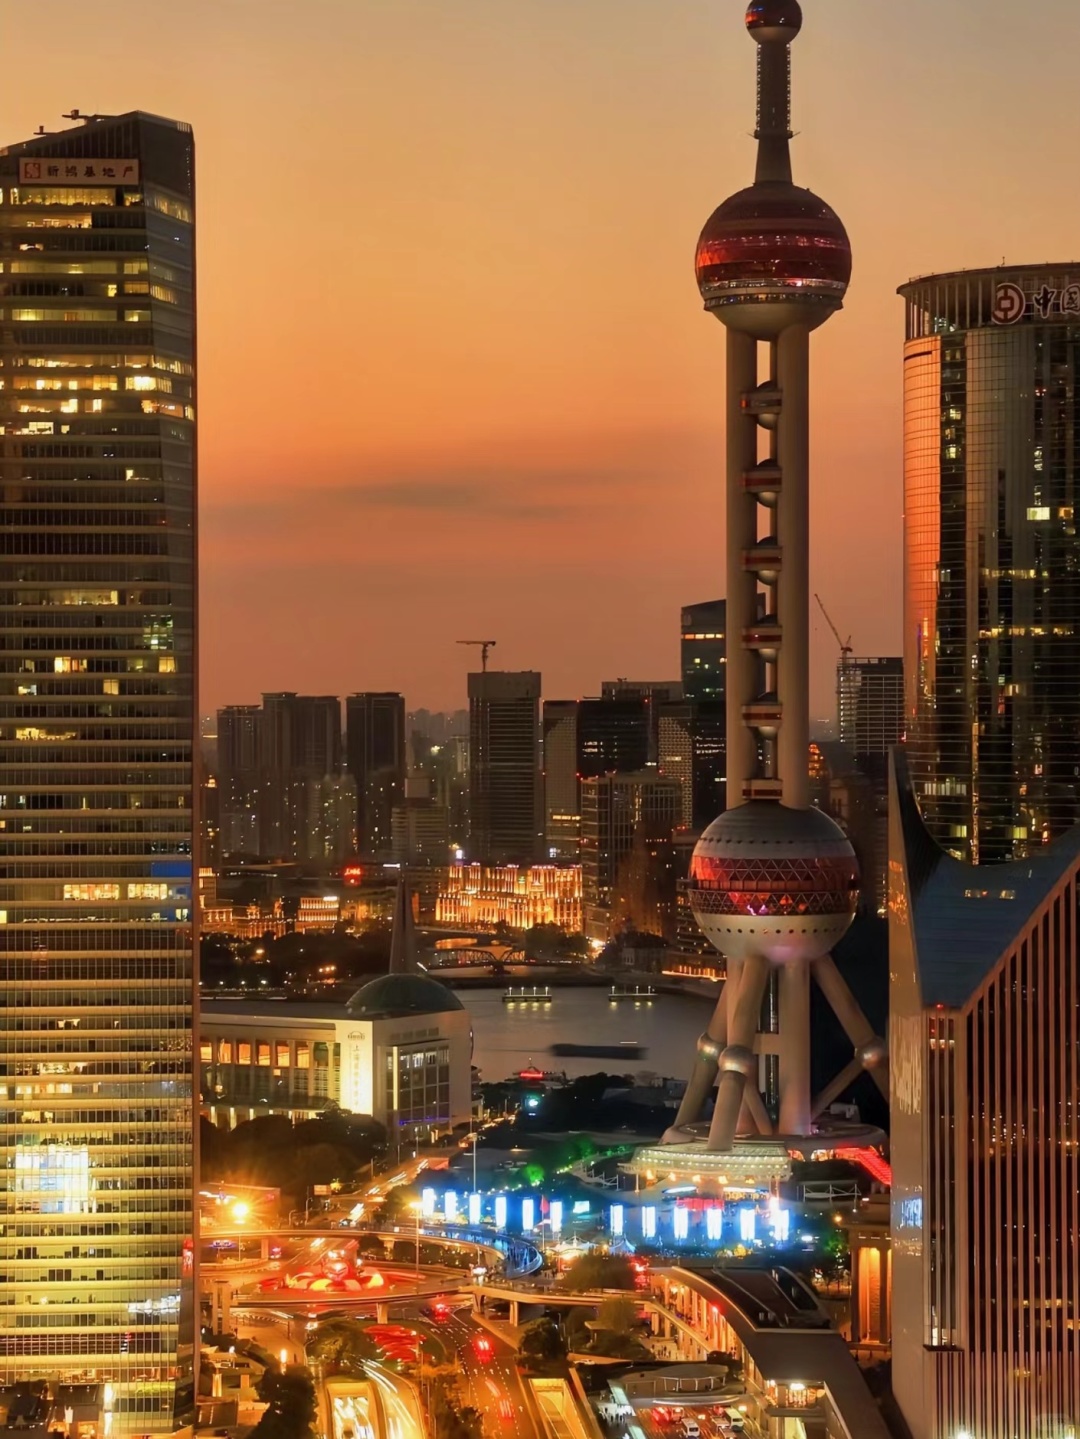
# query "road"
(490, 1380)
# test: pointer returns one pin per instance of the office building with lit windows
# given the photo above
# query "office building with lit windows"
(583, 739)
(871, 710)
(984, 1045)
(506, 790)
(992, 556)
(703, 646)
(400, 1051)
(97, 727)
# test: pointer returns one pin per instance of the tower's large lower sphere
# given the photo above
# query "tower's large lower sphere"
(771, 256)
(775, 882)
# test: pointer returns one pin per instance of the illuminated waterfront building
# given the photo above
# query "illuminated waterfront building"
(985, 1135)
(97, 725)
(773, 881)
(483, 895)
(992, 556)
(400, 1050)
(506, 793)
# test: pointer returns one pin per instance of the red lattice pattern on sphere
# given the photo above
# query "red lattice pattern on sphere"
(774, 886)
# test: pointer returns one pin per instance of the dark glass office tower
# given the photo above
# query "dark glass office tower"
(375, 749)
(992, 579)
(506, 791)
(703, 646)
(97, 728)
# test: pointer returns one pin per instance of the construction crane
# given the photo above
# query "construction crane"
(845, 695)
(484, 646)
(845, 645)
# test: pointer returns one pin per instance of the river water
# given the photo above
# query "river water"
(512, 1037)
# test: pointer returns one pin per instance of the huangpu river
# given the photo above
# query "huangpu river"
(509, 1037)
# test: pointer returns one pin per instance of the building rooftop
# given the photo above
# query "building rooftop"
(396, 995)
(963, 916)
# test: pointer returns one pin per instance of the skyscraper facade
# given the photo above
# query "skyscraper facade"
(584, 738)
(871, 708)
(618, 813)
(992, 556)
(985, 1135)
(375, 749)
(97, 728)
(307, 803)
(506, 795)
(239, 740)
(703, 646)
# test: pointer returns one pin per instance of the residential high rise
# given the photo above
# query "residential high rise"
(506, 795)
(619, 812)
(704, 651)
(301, 783)
(239, 729)
(375, 746)
(773, 881)
(583, 738)
(985, 1135)
(871, 710)
(97, 728)
(992, 556)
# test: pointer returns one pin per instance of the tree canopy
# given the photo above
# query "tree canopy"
(600, 1271)
(289, 1395)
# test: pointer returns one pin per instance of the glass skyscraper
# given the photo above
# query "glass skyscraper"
(97, 725)
(992, 567)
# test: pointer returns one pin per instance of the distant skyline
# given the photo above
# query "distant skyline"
(455, 377)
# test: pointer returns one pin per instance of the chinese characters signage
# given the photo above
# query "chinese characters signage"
(48, 171)
(1012, 304)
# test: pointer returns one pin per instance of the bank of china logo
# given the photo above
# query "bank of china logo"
(1010, 302)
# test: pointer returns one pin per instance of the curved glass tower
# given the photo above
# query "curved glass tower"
(992, 556)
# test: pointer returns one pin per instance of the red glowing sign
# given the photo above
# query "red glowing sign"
(352, 874)
(531, 1074)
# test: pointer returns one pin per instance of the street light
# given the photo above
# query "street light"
(417, 1208)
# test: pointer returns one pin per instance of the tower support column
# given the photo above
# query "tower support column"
(741, 677)
(793, 532)
(794, 984)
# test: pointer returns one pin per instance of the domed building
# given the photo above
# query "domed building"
(399, 1050)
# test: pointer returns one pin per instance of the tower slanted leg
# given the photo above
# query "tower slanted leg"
(870, 1049)
(738, 1061)
(710, 1046)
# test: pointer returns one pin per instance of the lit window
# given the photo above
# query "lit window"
(243, 1051)
(263, 1053)
(303, 1055)
(148, 891)
(282, 1055)
(1038, 512)
(91, 891)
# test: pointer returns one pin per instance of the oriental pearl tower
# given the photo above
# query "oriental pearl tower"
(773, 882)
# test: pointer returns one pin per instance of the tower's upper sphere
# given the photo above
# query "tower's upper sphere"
(774, 882)
(772, 20)
(773, 255)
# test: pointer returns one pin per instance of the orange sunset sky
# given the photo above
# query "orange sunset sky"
(455, 378)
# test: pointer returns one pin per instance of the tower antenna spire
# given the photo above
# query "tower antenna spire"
(773, 24)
